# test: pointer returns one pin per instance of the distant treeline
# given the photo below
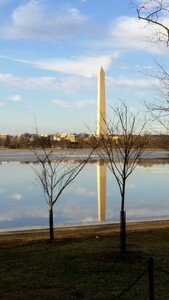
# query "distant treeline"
(26, 141)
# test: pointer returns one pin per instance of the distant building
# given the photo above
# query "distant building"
(3, 136)
(55, 137)
(43, 135)
(64, 137)
(71, 137)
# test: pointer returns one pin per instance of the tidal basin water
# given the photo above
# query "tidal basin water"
(22, 201)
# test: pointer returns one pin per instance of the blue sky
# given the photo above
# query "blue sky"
(50, 55)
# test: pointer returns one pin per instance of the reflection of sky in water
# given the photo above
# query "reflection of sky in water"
(22, 201)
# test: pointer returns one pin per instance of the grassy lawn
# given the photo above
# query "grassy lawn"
(84, 267)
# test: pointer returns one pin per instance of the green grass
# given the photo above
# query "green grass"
(84, 268)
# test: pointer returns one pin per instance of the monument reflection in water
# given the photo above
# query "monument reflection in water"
(22, 200)
(101, 190)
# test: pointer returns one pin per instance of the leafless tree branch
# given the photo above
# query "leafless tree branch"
(54, 175)
(122, 147)
(154, 11)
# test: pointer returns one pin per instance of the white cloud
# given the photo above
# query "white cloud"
(87, 66)
(61, 103)
(68, 84)
(73, 84)
(76, 104)
(12, 214)
(15, 98)
(129, 32)
(36, 19)
(39, 82)
(83, 192)
(16, 196)
(153, 5)
(7, 78)
(28, 82)
(136, 84)
(83, 66)
(77, 211)
(83, 103)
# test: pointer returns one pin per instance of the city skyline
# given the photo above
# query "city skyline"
(50, 56)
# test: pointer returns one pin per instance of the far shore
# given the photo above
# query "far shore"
(77, 231)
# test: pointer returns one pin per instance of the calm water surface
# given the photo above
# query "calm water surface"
(22, 201)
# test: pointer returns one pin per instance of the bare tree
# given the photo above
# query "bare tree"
(156, 12)
(122, 147)
(160, 109)
(54, 175)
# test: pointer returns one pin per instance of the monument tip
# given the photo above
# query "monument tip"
(101, 69)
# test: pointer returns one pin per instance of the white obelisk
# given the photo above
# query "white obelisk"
(101, 104)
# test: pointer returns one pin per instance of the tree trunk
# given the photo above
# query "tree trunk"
(123, 231)
(123, 219)
(51, 223)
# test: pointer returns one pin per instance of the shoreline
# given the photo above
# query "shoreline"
(80, 231)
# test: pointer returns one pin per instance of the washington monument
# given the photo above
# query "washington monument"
(101, 105)
(100, 130)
